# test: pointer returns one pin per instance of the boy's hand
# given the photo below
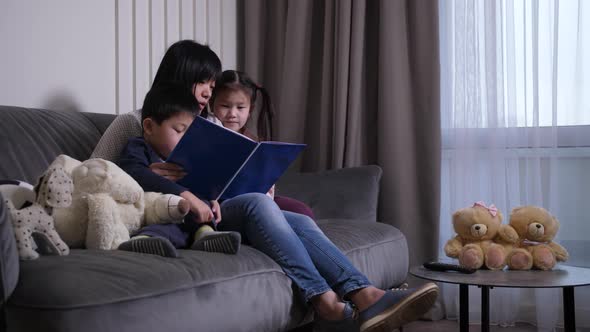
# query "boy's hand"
(216, 210)
(170, 171)
(201, 210)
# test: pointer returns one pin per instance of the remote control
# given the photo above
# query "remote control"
(439, 266)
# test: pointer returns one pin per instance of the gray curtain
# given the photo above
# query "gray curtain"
(358, 81)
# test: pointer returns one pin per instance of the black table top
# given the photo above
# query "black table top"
(560, 276)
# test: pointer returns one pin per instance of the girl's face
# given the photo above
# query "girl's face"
(203, 92)
(163, 137)
(232, 108)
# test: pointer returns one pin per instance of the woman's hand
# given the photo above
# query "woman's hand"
(216, 210)
(201, 210)
(170, 171)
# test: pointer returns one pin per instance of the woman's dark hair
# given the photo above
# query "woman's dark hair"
(188, 62)
(237, 80)
(166, 100)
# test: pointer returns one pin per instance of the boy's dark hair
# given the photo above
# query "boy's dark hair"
(237, 80)
(188, 62)
(166, 100)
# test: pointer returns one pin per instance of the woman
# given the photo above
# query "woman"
(343, 298)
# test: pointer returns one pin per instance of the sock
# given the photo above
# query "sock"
(202, 231)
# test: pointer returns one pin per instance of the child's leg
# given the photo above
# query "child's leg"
(207, 238)
(160, 239)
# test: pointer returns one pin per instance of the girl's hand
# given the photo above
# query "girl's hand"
(201, 210)
(216, 211)
(170, 171)
(271, 192)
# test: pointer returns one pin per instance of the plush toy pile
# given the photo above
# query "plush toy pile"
(526, 242)
(92, 204)
(32, 220)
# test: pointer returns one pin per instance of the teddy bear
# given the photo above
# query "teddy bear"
(481, 239)
(31, 213)
(536, 228)
(108, 205)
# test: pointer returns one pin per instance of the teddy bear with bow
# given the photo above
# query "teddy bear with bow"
(482, 240)
(536, 228)
(107, 205)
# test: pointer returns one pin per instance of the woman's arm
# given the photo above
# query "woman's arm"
(115, 138)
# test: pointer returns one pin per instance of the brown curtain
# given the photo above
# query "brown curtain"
(358, 81)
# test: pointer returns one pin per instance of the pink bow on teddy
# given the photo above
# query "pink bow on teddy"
(492, 208)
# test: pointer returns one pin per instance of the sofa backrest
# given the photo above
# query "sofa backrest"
(346, 193)
(30, 139)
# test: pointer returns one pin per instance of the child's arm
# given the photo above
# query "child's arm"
(199, 208)
(135, 160)
(170, 171)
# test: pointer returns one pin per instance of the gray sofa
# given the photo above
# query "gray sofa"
(122, 291)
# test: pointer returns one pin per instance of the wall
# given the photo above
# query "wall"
(100, 56)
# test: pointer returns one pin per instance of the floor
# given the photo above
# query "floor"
(452, 326)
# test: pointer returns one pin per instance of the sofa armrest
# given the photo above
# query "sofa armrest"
(346, 193)
(9, 264)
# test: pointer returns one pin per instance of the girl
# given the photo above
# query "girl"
(233, 99)
(322, 273)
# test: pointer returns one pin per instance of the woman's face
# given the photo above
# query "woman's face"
(203, 92)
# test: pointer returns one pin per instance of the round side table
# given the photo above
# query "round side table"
(562, 276)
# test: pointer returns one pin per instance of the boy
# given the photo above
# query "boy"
(167, 113)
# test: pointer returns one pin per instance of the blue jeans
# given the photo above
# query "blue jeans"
(295, 242)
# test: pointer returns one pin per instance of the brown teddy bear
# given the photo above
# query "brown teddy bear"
(536, 228)
(477, 228)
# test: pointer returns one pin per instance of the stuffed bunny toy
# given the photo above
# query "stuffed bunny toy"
(108, 205)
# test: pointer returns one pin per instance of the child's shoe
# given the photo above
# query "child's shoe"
(398, 307)
(150, 245)
(213, 241)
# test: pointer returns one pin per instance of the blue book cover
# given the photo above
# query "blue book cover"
(222, 164)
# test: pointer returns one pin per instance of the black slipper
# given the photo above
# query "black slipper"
(150, 245)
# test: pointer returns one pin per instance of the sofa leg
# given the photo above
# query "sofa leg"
(2, 318)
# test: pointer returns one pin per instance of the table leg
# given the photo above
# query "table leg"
(485, 308)
(569, 310)
(463, 308)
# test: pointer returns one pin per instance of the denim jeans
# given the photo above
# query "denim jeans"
(295, 242)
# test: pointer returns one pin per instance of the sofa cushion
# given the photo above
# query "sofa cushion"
(347, 193)
(124, 291)
(101, 289)
(30, 139)
(378, 250)
(9, 264)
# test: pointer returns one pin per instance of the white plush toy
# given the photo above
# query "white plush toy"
(108, 204)
(31, 213)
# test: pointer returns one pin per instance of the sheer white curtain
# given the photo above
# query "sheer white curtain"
(515, 103)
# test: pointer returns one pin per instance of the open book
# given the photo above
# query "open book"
(221, 163)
